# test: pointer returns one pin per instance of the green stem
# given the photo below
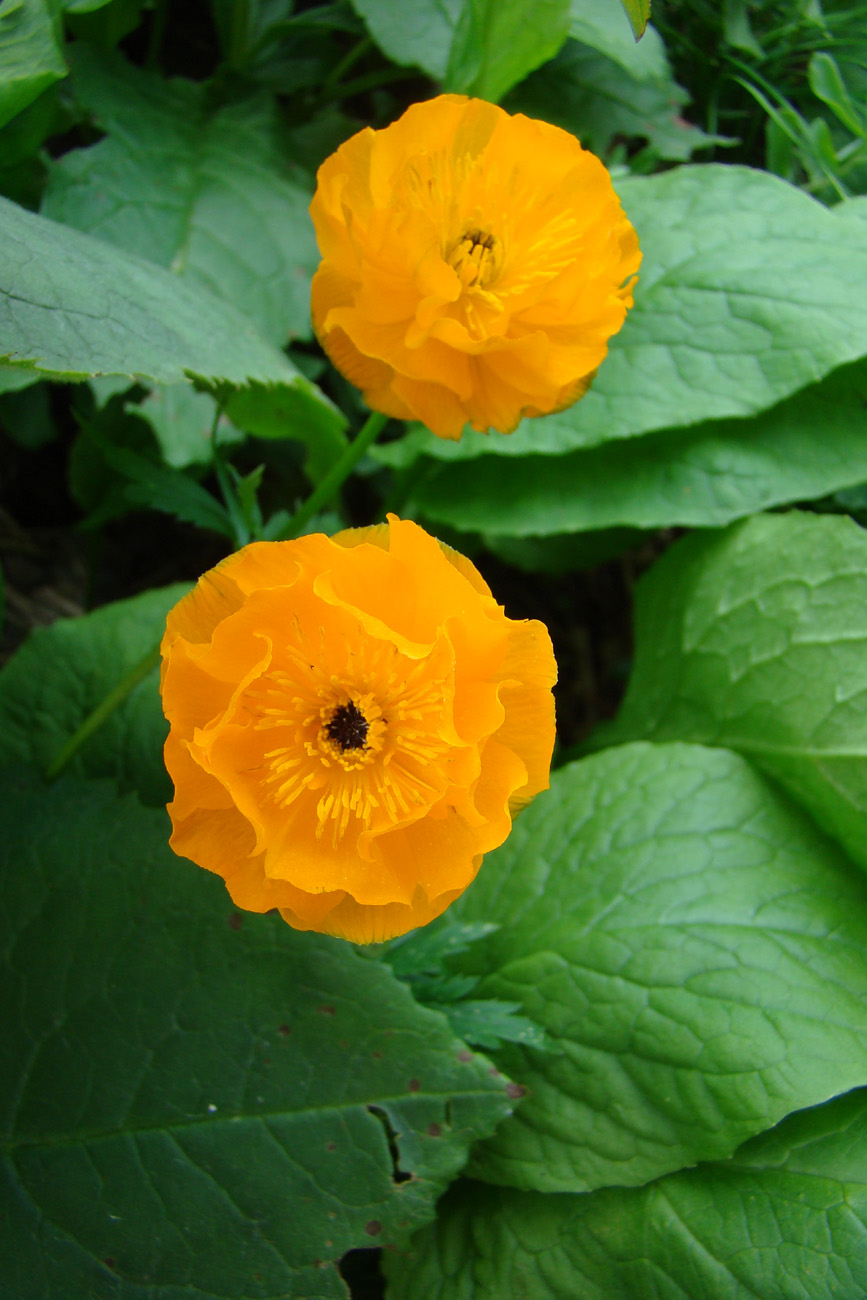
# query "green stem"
(348, 61)
(103, 710)
(158, 31)
(336, 476)
(238, 33)
(371, 80)
(230, 496)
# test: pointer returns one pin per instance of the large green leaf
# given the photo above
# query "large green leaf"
(198, 188)
(603, 25)
(706, 476)
(786, 1218)
(73, 307)
(605, 86)
(193, 1103)
(477, 47)
(749, 290)
(591, 95)
(62, 672)
(491, 52)
(695, 951)
(30, 53)
(418, 33)
(755, 639)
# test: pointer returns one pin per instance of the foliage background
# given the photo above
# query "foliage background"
(633, 1055)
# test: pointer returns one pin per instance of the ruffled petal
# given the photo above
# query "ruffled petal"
(475, 265)
(352, 723)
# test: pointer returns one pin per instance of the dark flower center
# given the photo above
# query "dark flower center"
(348, 727)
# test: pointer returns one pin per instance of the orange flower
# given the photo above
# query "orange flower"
(474, 265)
(353, 722)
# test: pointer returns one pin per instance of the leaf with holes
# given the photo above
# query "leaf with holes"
(195, 1102)
(787, 1216)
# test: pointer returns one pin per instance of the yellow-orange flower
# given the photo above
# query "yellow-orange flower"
(474, 265)
(354, 721)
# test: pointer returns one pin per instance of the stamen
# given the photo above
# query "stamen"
(473, 257)
(361, 745)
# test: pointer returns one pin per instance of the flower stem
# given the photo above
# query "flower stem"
(336, 476)
(372, 80)
(348, 61)
(103, 711)
(230, 496)
(158, 31)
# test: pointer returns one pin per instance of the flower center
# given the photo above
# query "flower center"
(348, 727)
(351, 730)
(365, 745)
(474, 257)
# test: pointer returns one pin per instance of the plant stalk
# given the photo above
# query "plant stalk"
(102, 712)
(336, 476)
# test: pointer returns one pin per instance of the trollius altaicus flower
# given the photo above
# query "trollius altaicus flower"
(474, 265)
(354, 721)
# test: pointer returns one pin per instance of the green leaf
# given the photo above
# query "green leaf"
(159, 487)
(475, 47)
(565, 553)
(828, 85)
(12, 379)
(491, 52)
(30, 53)
(73, 307)
(62, 672)
(425, 951)
(593, 97)
(638, 12)
(603, 25)
(103, 24)
(705, 476)
(488, 1023)
(247, 487)
(278, 413)
(737, 29)
(197, 188)
(787, 1217)
(754, 639)
(749, 291)
(420, 958)
(26, 417)
(195, 1103)
(181, 420)
(695, 951)
(419, 33)
(84, 6)
(243, 27)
